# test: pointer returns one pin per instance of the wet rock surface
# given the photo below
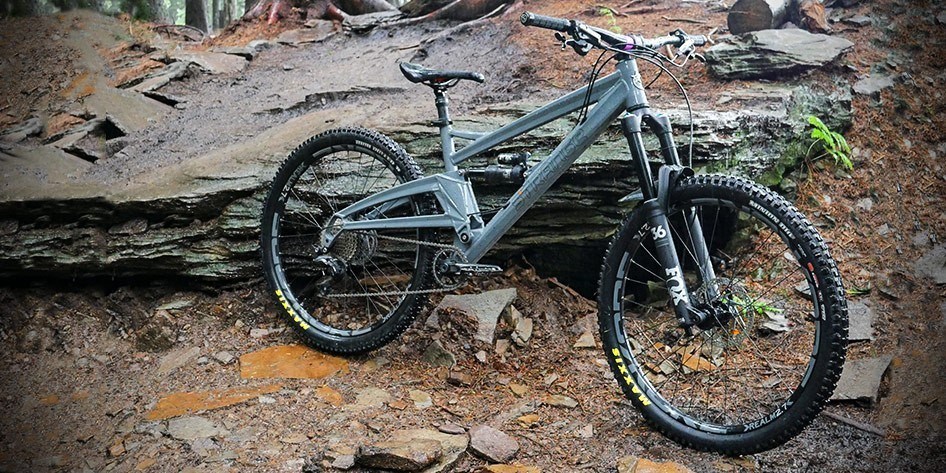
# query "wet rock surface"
(773, 54)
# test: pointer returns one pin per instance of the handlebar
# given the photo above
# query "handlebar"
(608, 39)
(547, 22)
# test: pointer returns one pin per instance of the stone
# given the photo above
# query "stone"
(202, 446)
(368, 398)
(452, 429)
(884, 230)
(294, 438)
(265, 332)
(485, 308)
(459, 378)
(502, 468)
(437, 355)
(319, 31)
(32, 127)
(932, 264)
(260, 45)
(586, 432)
(586, 340)
(528, 420)
(860, 379)
(183, 403)
(559, 400)
(292, 362)
(266, 399)
(632, 464)
(865, 204)
(941, 17)
(502, 346)
(453, 446)
(330, 395)
(518, 389)
(192, 428)
(481, 356)
(871, 86)
(117, 449)
(773, 54)
(210, 62)
(412, 455)
(858, 20)
(861, 320)
(492, 444)
(224, 357)
(246, 52)
(523, 332)
(421, 399)
(176, 359)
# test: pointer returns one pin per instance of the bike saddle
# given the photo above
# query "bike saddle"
(416, 73)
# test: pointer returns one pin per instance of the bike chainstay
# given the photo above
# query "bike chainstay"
(443, 246)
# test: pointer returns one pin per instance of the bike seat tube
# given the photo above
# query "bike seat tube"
(446, 129)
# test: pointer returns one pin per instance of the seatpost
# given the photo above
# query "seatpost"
(446, 128)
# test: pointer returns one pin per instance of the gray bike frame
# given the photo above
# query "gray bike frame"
(613, 95)
(621, 92)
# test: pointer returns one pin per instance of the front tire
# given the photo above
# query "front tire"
(759, 373)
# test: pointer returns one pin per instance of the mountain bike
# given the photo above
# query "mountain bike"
(721, 311)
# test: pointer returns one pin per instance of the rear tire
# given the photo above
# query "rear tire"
(323, 175)
(759, 373)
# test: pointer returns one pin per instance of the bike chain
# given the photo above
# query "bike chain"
(442, 246)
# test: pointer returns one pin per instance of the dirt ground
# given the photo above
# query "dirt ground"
(82, 363)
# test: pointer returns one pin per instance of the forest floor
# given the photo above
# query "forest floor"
(85, 364)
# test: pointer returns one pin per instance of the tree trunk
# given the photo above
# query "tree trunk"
(812, 17)
(360, 7)
(214, 15)
(755, 15)
(195, 14)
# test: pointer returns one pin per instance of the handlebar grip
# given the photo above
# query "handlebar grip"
(699, 40)
(547, 22)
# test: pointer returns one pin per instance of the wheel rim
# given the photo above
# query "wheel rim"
(733, 375)
(372, 261)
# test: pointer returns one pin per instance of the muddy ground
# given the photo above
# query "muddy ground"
(82, 362)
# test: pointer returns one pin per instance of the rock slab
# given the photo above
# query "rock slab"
(492, 444)
(861, 321)
(860, 380)
(193, 428)
(400, 455)
(485, 308)
(773, 54)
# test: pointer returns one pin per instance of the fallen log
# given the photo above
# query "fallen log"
(755, 15)
(199, 220)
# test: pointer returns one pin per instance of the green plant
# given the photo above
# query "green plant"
(608, 13)
(757, 306)
(831, 142)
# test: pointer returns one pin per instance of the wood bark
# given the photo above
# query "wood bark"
(755, 15)
(810, 15)
(195, 14)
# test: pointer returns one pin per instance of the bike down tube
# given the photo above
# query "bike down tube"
(544, 174)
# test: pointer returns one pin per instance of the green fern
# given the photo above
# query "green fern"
(832, 143)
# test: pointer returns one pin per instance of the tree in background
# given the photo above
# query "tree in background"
(195, 14)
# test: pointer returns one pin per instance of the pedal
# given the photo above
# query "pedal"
(468, 269)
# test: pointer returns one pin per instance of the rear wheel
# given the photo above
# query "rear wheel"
(762, 366)
(365, 289)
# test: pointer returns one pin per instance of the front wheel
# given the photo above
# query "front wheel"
(762, 366)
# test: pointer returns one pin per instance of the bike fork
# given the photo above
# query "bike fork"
(654, 208)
